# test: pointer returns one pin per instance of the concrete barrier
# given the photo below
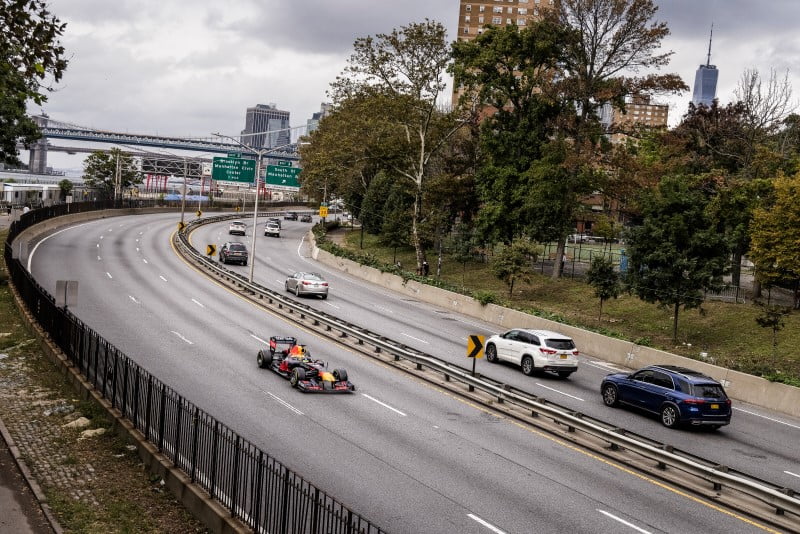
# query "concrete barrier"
(740, 386)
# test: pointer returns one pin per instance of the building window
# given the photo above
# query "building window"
(466, 30)
(480, 19)
(497, 20)
(482, 9)
(522, 11)
(469, 7)
(466, 19)
(520, 22)
(510, 10)
(497, 9)
(536, 11)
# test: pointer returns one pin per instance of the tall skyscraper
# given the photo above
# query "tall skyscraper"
(266, 126)
(313, 123)
(705, 80)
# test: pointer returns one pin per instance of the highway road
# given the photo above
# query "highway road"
(409, 457)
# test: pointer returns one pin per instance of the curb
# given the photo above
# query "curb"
(28, 476)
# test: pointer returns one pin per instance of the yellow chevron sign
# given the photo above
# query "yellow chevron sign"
(475, 346)
(211, 250)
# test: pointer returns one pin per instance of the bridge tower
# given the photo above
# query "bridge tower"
(37, 163)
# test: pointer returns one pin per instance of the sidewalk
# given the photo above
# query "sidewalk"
(20, 495)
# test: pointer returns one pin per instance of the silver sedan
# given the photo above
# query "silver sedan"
(307, 284)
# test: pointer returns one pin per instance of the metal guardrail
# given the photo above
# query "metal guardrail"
(780, 499)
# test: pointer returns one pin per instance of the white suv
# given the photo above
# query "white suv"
(272, 229)
(534, 351)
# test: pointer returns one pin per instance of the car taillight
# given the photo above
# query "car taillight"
(728, 402)
(693, 401)
(575, 352)
(306, 283)
(325, 284)
(547, 351)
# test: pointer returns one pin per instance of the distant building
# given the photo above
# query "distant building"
(705, 80)
(313, 123)
(266, 126)
(473, 16)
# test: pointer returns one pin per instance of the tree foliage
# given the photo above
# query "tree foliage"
(29, 53)
(676, 254)
(604, 279)
(514, 262)
(110, 172)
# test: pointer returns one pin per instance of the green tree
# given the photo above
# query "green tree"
(65, 186)
(676, 254)
(514, 262)
(405, 70)
(110, 172)
(462, 245)
(604, 279)
(775, 235)
(774, 318)
(29, 53)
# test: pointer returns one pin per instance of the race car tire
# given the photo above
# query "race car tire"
(264, 359)
(298, 375)
(340, 375)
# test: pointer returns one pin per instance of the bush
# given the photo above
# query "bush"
(486, 297)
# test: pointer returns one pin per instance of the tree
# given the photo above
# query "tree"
(676, 254)
(29, 53)
(775, 235)
(514, 262)
(406, 70)
(605, 280)
(609, 40)
(110, 172)
(65, 186)
(772, 317)
(462, 245)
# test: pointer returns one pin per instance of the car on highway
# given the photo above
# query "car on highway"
(302, 283)
(678, 395)
(233, 252)
(237, 228)
(274, 220)
(272, 229)
(291, 216)
(306, 217)
(293, 361)
(534, 351)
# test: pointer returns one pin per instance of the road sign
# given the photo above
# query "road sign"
(211, 250)
(323, 211)
(199, 213)
(234, 154)
(234, 170)
(475, 346)
(285, 163)
(283, 177)
(181, 226)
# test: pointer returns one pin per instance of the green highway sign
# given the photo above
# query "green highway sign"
(285, 163)
(234, 170)
(234, 154)
(283, 177)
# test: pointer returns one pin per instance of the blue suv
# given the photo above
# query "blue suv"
(677, 394)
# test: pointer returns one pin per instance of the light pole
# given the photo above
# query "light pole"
(259, 153)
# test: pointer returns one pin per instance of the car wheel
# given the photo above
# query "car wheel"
(286, 286)
(298, 375)
(324, 296)
(297, 290)
(527, 366)
(491, 354)
(340, 375)
(564, 374)
(610, 395)
(670, 417)
(221, 258)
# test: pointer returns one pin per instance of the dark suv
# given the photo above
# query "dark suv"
(233, 252)
(677, 394)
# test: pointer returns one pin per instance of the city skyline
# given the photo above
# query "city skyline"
(130, 71)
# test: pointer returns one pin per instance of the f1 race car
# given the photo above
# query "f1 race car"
(293, 361)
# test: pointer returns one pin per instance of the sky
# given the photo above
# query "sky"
(191, 67)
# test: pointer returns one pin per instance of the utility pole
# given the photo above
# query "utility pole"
(255, 217)
(183, 199)
(117, 182)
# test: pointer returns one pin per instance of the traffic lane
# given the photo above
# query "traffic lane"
(731, 446)
(304, 434)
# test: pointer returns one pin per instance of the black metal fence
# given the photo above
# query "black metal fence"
(255, 487)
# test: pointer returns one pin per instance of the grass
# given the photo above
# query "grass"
(726, 332)
(128, 498)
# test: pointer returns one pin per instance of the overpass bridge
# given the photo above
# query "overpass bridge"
(53, 129)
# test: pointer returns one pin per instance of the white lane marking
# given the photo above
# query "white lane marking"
(627, 524)
(181, 336)
(383, 308)
(137, 249)
(259, 339)
(144, 260)
(140, 233)
(561, 392)
(133, 299)
(110, 229)
(295, 410)
(767, 418)
(108, 274)
(415, 338)
(30, 257)
(99, 258)
(332, 305)
(101, 237)
(164, 279)
(485, 524)
(603, 365)
(198, 303)
(373, 399)
(793, 474)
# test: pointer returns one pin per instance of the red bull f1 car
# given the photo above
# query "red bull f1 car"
(293, 361)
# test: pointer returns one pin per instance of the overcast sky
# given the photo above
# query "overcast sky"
(191, 67)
